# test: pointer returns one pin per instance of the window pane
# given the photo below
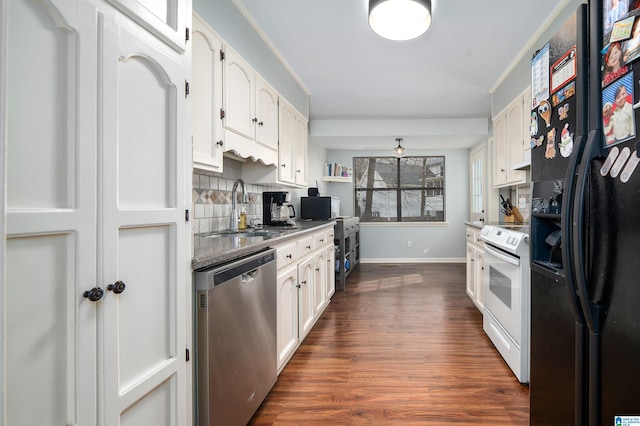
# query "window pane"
(422, 205)
(377, 206)
(416, 172)
(376, 172)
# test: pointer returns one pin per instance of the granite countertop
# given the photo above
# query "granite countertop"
(210, 251)
(520, 227)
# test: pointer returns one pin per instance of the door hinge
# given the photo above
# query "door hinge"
(186, 215)
(186, 36)
(188, 357)
(186, 88)
(221, 113)
(221, 55)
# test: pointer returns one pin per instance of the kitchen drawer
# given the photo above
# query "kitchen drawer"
(305, 246)
(320, 239)
(471, 235)
(286, 254)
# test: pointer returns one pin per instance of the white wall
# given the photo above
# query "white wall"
(430, 243)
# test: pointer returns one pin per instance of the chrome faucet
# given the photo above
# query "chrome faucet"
(233, 221)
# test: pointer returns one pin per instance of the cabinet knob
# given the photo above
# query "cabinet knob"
(304, 282)
(298, 171)
(94, 294)
(261, 123)
(117, 287)
(308, 247)
(255, 120)
(220, 143)
(289, 256)
(318, 269)
(283, 165)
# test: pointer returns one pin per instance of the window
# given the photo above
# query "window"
(476, 183)
(408, 189)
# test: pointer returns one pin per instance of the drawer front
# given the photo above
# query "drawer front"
(471, 235)
(305, 246)
(286, 254)
(320, 239)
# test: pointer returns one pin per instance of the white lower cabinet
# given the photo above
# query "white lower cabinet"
(475, 267)
(305, 285)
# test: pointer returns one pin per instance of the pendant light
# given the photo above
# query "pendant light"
(399, 20)
(399, 150)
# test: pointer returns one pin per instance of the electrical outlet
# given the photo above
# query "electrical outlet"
(409, 243)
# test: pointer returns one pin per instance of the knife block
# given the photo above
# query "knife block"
(514, 217)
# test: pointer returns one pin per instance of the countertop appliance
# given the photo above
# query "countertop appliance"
(505, 284)
(277, 209)
(585, 234)
(236, 338)
(319, 208)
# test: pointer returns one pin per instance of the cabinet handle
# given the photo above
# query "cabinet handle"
(502, 170)
(308, 247)
(322, 240)
(255, 120)
(220, 143)
(117, 287)
(94, 294)
(318, 269)
(304, 282)
(261, 124)
(283, 165)
(298, 171)
(289, 256)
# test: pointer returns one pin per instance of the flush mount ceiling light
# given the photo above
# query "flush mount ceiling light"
(399, 150)
(399, 20)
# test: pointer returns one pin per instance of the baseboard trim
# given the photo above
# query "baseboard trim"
(416, 260)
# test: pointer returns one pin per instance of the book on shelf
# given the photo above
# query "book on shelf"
(337, 170)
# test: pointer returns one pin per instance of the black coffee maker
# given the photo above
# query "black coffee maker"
(276, 209)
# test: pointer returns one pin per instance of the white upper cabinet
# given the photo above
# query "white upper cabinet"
(206, 98)
(511, 132)
(292, 152)
(164, 18)
(249, 111)
(266, 114)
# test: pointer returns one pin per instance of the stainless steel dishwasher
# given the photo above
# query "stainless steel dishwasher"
(236, 338)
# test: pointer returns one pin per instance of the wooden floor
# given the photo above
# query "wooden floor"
(402, 345)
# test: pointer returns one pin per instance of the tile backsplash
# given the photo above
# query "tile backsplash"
(211, 198)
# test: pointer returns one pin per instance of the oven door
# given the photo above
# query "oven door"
(502, 287)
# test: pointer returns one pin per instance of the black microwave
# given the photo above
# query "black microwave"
(319, 208)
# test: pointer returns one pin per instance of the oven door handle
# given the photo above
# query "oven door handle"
(512, 260)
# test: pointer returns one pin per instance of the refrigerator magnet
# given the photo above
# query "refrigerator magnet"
(563, 112)
(618, 118)
(544, 109)
(566, 141)
(550, 151)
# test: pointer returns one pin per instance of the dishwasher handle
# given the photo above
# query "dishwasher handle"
(208, 278)
(251, 276)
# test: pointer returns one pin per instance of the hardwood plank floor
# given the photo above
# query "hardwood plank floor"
(403, 344)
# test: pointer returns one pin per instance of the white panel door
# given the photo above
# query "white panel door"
(300, 141)
(331, 269)
(320, 281)
(306, 296)
(239, 96)
(49, 366)
(287, 308)
(267, 114)
(206, 99)
(286, 148)
(143, 230)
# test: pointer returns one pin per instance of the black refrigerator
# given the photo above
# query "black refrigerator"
(585, 220)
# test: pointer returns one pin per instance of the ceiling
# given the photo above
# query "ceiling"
(433, 91)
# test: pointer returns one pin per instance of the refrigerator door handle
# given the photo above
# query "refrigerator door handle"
(568, 199)
(592, 150)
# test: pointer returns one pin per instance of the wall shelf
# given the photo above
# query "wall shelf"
(336, 179)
